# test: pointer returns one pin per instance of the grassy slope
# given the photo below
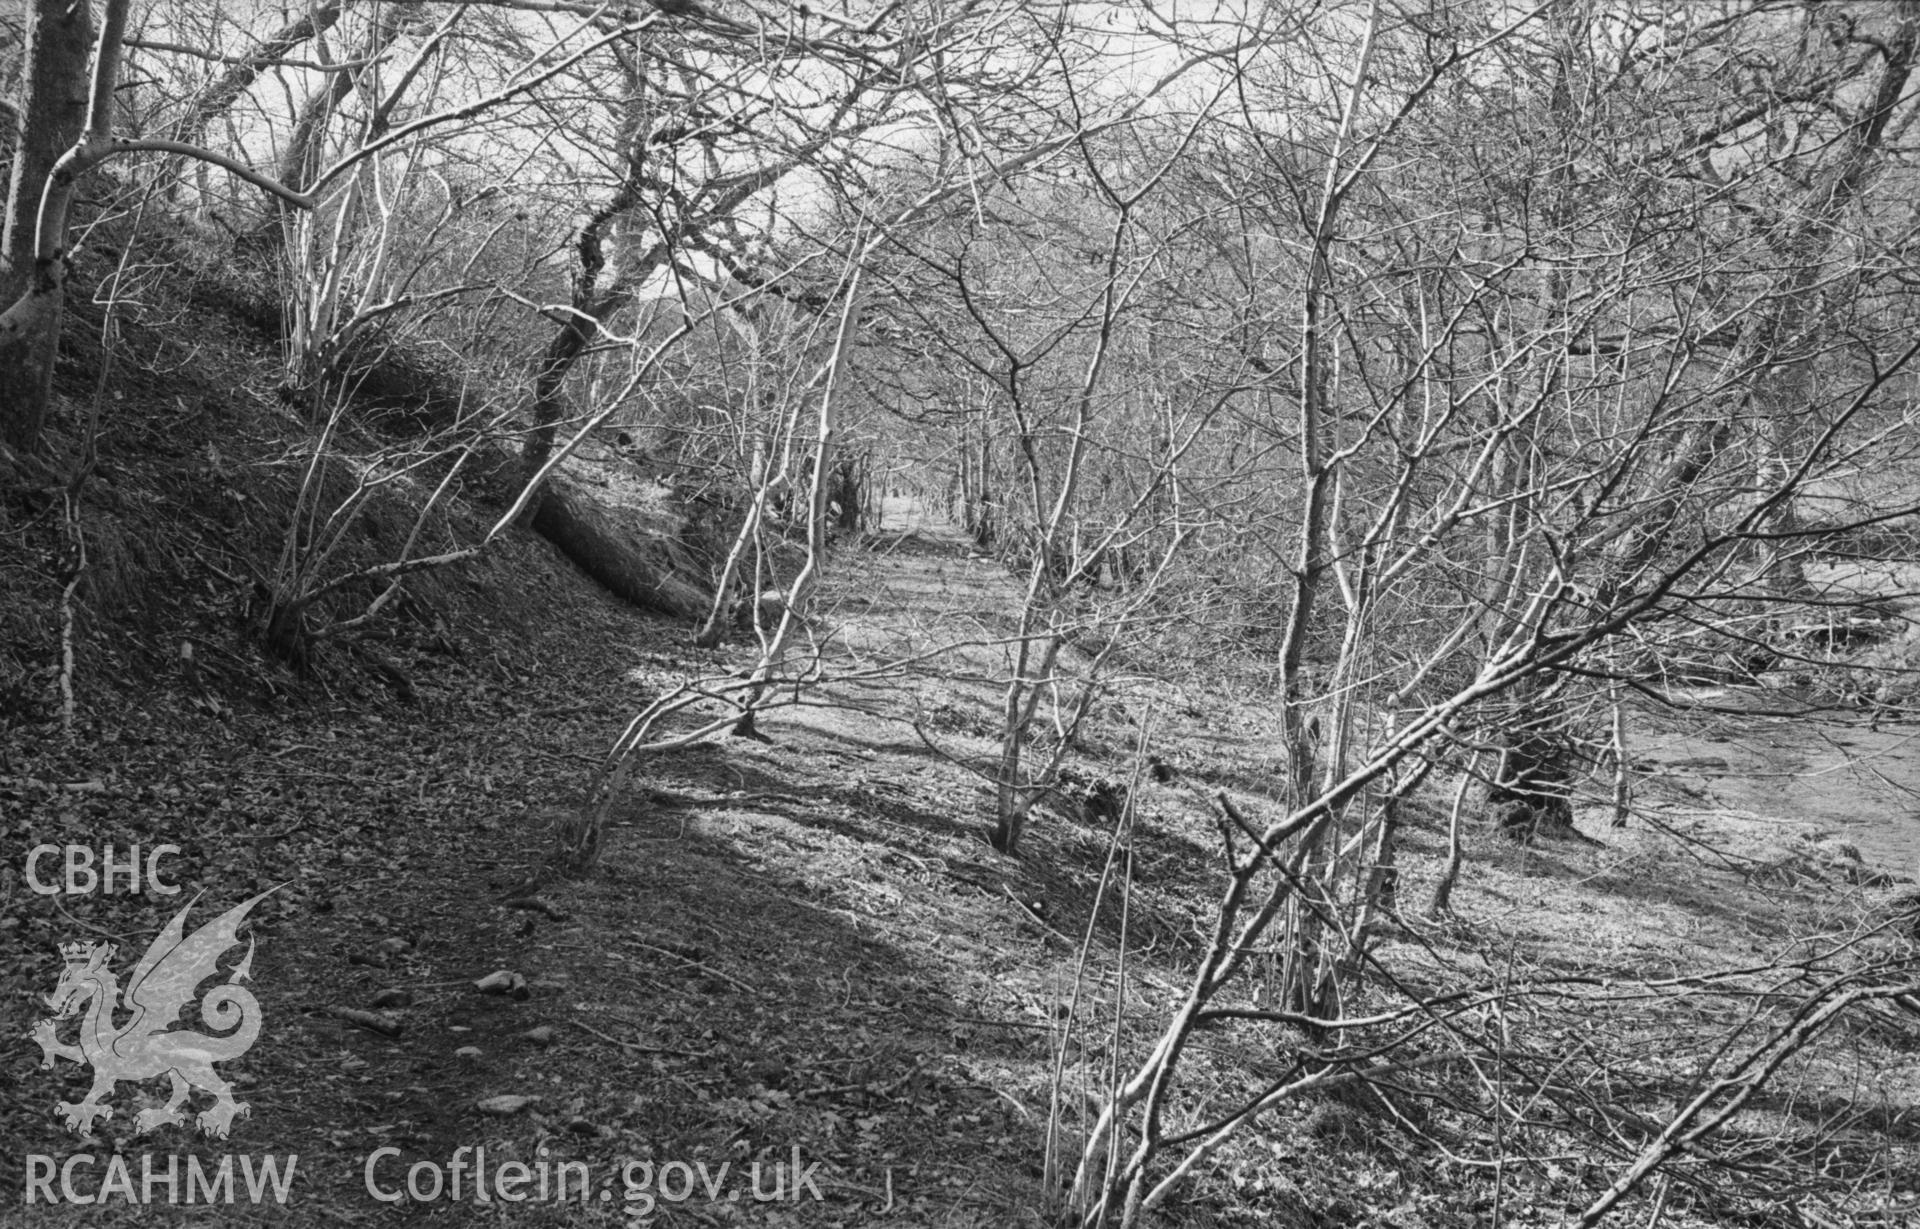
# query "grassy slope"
(803, 943)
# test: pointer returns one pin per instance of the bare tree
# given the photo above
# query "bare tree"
(1524, 431)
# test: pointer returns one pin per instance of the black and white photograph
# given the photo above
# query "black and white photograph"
(960, 614)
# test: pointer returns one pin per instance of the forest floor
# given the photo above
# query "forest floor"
(802, 951)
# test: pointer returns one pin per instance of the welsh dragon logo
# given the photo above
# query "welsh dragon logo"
(161, 985)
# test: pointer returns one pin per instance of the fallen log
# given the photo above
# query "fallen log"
(634, 551)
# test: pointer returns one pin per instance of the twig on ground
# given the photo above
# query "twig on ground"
(704, 967)
(636, 1047)
(536, 905)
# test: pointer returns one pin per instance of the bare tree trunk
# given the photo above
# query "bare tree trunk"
(849, 491)
(1532, 787)
(1442, 902)
(587, 310)
(53, 114)
(240, 75)
(800, 594)
(1622, 761)
(1782, 386)
(976, 487)
(1532, 790)
(770, 481)
(1304, 970)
